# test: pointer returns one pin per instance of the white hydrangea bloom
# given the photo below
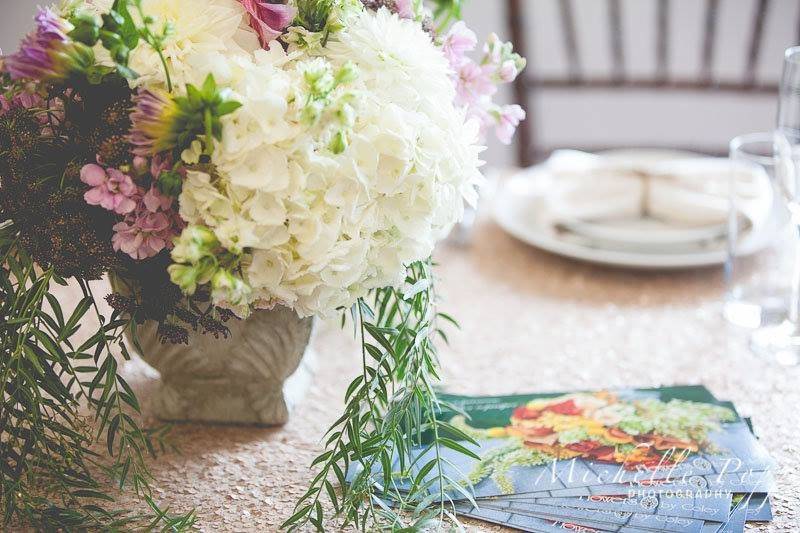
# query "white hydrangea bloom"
(320, 229)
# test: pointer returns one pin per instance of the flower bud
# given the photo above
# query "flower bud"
(194, 243)
(225, 287)
(170, 182)
(140, 165)
(348, 73)
(48, 53)
(339, 142)
(319, 78)
(346, 115)
(191, 156)
(184, 276)
(86, 29)
(508, 71)
(155, 125)
(312, 111)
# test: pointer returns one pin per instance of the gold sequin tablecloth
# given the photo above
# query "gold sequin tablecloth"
(530, 322)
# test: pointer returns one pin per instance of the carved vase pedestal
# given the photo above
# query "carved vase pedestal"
(255, 376)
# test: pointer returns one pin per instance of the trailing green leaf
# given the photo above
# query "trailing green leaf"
(47, 466)
(389, 410)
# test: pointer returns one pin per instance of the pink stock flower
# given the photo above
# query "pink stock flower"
(154, 166)
(155, 201)
(150, 223)
(509, 118)
(24, 99)
(268, 19)
(149, 229)
(142, 235)
(159, 164)
(476, 83)
(473, 84)
(110, 189)
(458, 41)
(508, 71)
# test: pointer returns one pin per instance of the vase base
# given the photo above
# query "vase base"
(216, 402)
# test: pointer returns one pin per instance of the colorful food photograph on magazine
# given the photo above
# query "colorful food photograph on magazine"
(549, 442)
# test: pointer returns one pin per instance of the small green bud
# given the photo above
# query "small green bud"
(346, 115)
(170, 183)
(194, 243)
(348, 73)
(312, 111)
(318, 77)
(201, 235)
(339, 142)
(86, 29)
(225, 287)
(206, 269)
(184, 276)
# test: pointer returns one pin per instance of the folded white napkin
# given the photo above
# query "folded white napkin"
(685, 193)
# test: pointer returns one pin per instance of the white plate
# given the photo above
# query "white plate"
(518, 208)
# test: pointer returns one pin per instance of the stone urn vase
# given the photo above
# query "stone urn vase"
(254, 376)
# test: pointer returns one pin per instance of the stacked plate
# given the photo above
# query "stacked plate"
(647, 209)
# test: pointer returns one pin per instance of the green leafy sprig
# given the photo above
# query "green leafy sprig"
(120, 33)
(445, 12)
(390, 411)
(200, 112)
(47, 464)
(313, 14)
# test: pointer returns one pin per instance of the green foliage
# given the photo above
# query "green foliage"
(389, 409)
(313, 14)
(48, 468)
(199, 113)
(120, 33)
(445, 12)
(170, 182)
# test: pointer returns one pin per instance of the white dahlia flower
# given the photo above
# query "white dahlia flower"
(331, 193)
(197, 27)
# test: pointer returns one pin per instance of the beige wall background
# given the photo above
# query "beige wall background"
(610, 117)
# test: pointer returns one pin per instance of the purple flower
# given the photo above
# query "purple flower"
(47, 53)
(268, 19)
(110, 189)
(153, 122)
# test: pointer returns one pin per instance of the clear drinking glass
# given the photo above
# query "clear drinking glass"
(781, 342)
(758, 285)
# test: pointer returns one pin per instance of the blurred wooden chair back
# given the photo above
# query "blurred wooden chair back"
(575, 77)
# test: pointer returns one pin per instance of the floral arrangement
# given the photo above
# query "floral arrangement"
(641, 433)
(216, 158)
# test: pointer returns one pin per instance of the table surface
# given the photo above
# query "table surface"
(531, 322)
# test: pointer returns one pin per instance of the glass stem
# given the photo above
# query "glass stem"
(794, 305)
